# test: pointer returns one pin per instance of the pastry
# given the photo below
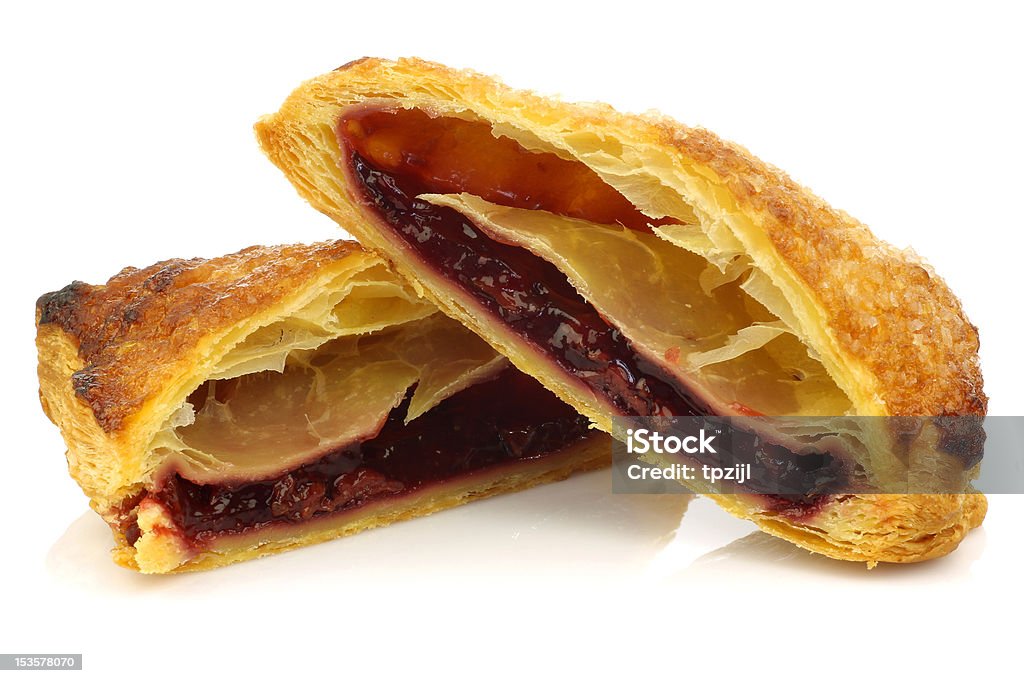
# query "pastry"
(224, 409)
(638, 267)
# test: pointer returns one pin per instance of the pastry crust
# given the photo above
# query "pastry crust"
(889, 331)
(117, 361)
(144, 325)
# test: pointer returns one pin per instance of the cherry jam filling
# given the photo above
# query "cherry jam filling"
(511, 418)
(789, 484)
(397, 156)
(529, 295)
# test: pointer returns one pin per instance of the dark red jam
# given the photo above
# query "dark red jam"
(511, 418)
(789, 483)
(529, 294)
(796, 508)
(397, 156)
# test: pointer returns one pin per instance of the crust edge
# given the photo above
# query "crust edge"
(927, 526)
(889, 350)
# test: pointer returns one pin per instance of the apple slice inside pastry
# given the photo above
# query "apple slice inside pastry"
(639, 268)
(225, 409)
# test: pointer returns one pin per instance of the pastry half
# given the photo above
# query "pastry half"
(224, 409)
(640, 268)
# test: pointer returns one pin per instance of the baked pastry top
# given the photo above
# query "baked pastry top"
(639, 267)
(221, 409)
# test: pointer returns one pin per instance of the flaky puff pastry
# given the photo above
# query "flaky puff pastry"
(874, 328)
(120, 365)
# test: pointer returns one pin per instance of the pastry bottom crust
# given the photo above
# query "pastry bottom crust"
(879, 527)
(160, 550)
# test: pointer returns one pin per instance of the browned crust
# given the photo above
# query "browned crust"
(107, 354)
(887, 307)
(893, 528)
(887, 310)
(897, 325)
(141, 328)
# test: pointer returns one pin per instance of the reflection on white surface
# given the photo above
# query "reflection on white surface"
(573, 533)
(572, 527)
(81, 557)
(537, 576)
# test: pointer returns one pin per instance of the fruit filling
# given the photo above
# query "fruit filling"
(397, 157)
(529, 295)
(502, 421)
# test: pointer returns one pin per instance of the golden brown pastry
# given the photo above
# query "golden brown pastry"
(638, 267)
(224, 409)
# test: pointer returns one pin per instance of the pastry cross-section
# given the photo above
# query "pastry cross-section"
(641, 268)
(223, 409)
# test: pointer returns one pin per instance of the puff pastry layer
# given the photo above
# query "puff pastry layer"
(640, 267)
(223, 409)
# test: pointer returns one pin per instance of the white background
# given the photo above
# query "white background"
(127, 139)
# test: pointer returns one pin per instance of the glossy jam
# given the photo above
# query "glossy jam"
(779, 470)
(791, 485)
(529, 294)
(511, 418)
(394, 157)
